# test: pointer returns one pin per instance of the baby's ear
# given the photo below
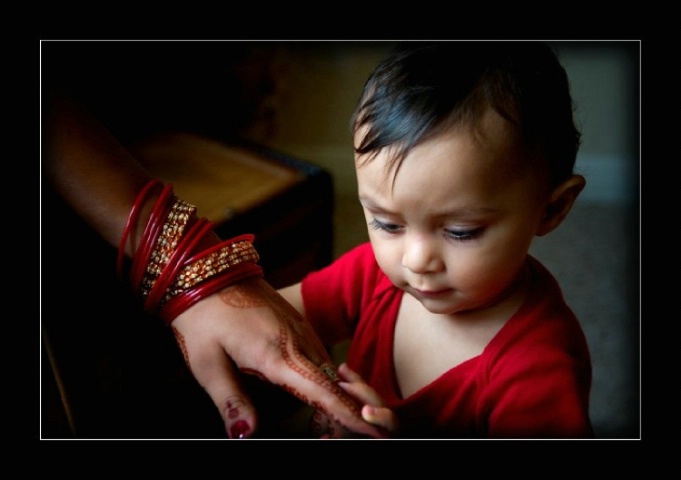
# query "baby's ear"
(561, 201)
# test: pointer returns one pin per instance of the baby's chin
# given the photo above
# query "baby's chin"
(445, 304)
(436, 303)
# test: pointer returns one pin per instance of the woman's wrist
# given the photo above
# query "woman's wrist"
(176, 258)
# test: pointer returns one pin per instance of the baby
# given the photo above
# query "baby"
(464, 152)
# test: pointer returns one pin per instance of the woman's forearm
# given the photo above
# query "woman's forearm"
(89, 168)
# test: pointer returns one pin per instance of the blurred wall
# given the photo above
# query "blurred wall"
(604, 78)
(317, 87)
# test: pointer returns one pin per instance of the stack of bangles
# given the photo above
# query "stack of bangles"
(169, 270)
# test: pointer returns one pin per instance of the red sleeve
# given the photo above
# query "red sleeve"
(333, 296)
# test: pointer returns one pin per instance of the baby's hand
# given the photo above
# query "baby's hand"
(373, 409)
(367, 399)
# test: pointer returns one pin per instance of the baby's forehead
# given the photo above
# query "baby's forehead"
(487, 131)
(491, 149)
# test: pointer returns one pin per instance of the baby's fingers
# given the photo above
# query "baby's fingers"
(348, 374)
(358, 388)
(380, 417)
(362, 392)
(373, 411)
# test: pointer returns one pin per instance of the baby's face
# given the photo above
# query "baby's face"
(454, 228)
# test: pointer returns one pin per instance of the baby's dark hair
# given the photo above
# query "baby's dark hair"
(423, 88)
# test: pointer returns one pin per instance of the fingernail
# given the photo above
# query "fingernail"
(239, 429)
(368, 412)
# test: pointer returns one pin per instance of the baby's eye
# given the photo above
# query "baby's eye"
(464, 235)
(386, 227)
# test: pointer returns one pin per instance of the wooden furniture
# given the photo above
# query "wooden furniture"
(285, 202)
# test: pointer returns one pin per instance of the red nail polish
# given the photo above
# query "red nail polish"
(239, 429)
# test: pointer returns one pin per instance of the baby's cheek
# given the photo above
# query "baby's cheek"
(389, 259)
(484, 278)
(472, 275)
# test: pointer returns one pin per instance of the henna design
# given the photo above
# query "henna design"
(323, 422)
(231, 405)
(245, 295)
(179, 338)
(316, 423)
(323, 425)
(312, 372)
(248, 295)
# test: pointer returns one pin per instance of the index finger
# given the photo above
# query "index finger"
(316, 387)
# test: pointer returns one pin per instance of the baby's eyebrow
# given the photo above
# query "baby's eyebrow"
(372, 205)
(462, 212)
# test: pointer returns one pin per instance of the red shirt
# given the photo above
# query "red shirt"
(531, 381)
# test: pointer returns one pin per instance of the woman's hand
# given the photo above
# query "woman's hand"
(250, 327)
(247, 326)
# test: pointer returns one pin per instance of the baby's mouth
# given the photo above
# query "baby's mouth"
(432, 293)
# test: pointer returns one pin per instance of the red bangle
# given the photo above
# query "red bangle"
(218, 246)
(149, 237)
(212, 262)
(165, 267)
(181, 302)
(176, 261)
(168, 238)
(132, 220)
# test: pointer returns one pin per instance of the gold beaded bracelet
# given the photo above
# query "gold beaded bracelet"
(166, 242)
(211, 263)
(166, 271)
